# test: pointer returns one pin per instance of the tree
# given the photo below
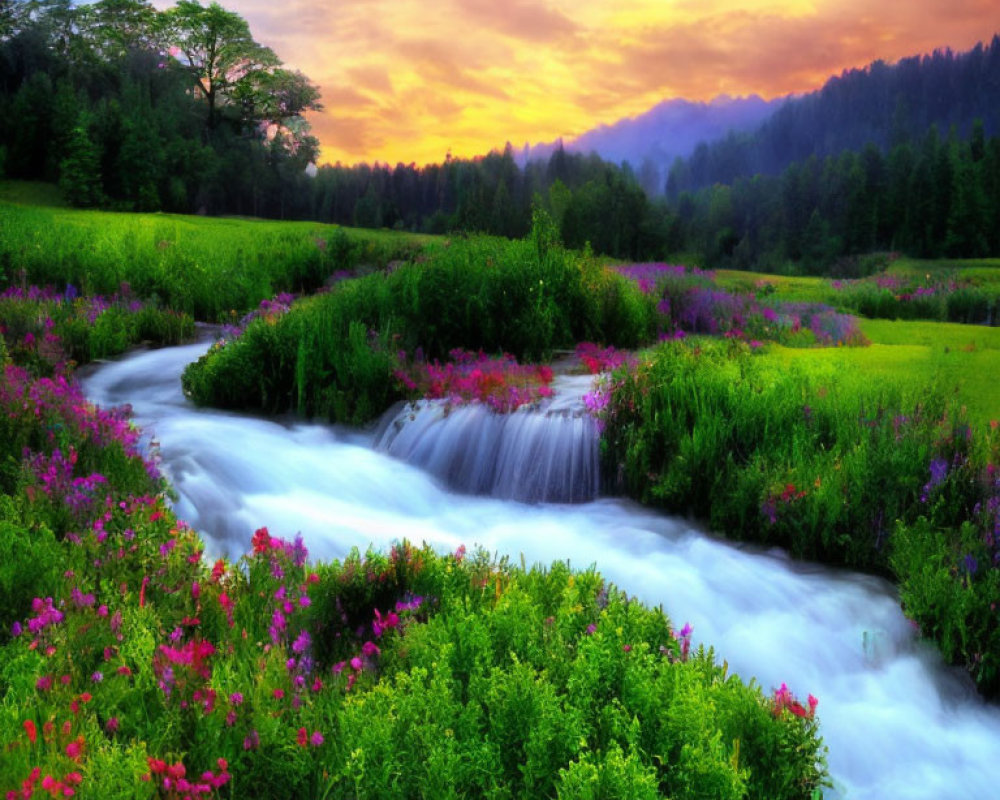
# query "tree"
(217, 48)
(114, 28)
(8, 20)
(79, 171)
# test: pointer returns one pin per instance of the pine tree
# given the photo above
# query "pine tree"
(79, 171)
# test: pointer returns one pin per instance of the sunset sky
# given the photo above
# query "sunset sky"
(408, 80)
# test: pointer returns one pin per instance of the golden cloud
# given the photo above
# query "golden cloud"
(406, 81)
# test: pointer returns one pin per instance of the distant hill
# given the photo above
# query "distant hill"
(882, 104)
(670, 130)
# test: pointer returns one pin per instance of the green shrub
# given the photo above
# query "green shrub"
(610, 776)
(334, 355)
(30, 566)
(769, 455)
(949, 584)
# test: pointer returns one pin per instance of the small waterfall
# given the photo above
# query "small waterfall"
(537, 454)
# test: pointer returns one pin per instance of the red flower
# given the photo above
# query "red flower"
(261, 541)
(303, 737)
(75, 748)
(31, 730)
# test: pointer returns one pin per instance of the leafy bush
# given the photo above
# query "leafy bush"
(690, 301)
(896, 296)
(950, 586)
(29, 562)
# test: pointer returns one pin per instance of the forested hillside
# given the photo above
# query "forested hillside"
(884, 105)
(933, 197)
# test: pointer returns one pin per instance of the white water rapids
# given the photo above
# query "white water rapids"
(897, 721)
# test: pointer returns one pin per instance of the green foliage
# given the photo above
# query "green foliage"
(334, 355)
(890, 479)
(177, 102)
(79, 171)
(950, 588)
(821, 468)
(29, 562)
(824, 213)
(613, 776)
(215, 270)
(48, 332)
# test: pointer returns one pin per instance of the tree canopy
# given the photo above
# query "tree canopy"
(182, 108)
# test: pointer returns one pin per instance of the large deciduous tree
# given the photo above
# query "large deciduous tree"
(231, 71)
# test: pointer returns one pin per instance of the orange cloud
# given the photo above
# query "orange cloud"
(406, 81)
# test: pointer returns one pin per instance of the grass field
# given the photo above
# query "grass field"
(210, 267)
(794, 288)
(219, 268)
(984, 271)
(963, 360)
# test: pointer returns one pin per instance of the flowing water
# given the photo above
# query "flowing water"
(898, 723)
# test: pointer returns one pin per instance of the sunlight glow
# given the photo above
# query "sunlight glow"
(402, 82)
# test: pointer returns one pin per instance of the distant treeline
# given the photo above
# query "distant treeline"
(591, 200)
(881, 105)
(936, 197)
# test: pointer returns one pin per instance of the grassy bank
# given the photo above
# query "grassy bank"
(335, 355)
(834, 455)
(964, 291)
(214, 269)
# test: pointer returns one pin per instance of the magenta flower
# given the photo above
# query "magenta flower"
(316, 739)
(301, 643)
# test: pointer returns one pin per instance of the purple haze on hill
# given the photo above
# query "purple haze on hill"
(667, 131)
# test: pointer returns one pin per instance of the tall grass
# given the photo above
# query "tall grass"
(883, 476)
(333, 355)
(213, 269)
(775, 455)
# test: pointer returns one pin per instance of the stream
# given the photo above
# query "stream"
(898, 722)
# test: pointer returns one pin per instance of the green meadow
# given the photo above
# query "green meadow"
(216, 269)
(962, 361)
